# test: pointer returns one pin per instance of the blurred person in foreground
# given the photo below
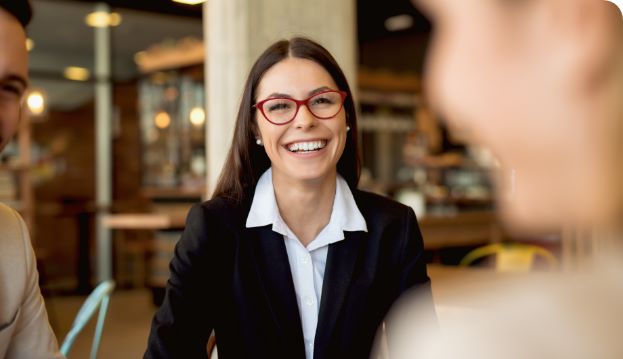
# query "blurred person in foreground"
(24, 328)
(539, 83)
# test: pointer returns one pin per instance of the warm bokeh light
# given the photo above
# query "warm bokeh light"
(30, 44)
(36, 102)
(197, 116)
(139, 57)
(76, 73)
(190, 2)
(162, 119)
(399, 22)
(103, 19)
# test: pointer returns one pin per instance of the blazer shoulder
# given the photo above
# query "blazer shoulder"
(373, 204)
(218, 210)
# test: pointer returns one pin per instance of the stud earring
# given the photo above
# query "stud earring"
(347, 128)
(258, 141)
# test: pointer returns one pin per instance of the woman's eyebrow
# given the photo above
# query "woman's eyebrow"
(319, 90)
(277, 95)
(15, 78)
(310, 93)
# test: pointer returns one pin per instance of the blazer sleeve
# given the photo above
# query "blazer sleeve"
(33, 337)
(413, 274)
(182, 325)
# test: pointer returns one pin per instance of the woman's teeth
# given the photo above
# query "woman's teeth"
(307, 146)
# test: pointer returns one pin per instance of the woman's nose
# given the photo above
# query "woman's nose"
(304, 118)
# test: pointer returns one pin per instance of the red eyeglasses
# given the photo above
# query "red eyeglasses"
(281, 110)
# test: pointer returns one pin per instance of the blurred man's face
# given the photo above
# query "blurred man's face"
(537, 82)
(13, 74)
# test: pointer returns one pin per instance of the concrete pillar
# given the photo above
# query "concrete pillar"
(237, 31)
(103, 147)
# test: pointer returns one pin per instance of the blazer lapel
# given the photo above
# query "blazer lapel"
(338, 274)
(271, 260)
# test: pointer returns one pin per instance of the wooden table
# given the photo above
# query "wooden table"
(461, 229)
(144, 259)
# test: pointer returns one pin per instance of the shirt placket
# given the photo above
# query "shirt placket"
(308, 300)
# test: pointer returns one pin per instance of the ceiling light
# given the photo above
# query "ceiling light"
(162, 120)
(197, 116)
(36, 102)
(103, 19)
(190, 2)
(30, 44)
(76, 73)
(140, 57)
(399, 22)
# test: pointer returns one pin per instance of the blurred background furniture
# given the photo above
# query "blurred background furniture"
(512, 257)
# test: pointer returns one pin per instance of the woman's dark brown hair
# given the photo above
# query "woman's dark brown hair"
(246, 161)
(21, 9)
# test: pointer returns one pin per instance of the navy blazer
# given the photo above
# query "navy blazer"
(237, 281)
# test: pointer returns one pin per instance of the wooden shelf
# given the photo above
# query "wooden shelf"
(143, 221)
(388, 81)
(14, 167)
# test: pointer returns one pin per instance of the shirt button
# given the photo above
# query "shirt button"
(305, 259)
(308, 300)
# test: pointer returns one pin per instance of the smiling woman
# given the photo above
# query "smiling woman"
(303, 264)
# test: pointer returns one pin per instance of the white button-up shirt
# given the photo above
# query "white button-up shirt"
(307, 264)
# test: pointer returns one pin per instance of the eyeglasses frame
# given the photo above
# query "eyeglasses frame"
(260, 105)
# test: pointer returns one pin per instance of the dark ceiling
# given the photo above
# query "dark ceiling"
(378, 48)
(371, 14)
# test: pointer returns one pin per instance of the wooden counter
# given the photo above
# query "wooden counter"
(461, 229)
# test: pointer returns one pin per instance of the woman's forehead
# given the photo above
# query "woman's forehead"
(295, 77)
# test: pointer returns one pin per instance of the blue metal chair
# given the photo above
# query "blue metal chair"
(99, 298)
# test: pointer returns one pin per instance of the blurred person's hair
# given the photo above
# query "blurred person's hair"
(246, 161)
(20, 9)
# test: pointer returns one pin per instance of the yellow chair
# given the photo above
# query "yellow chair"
(511, 257)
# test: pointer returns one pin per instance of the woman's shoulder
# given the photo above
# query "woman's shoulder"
(373, 204)
(219, 209)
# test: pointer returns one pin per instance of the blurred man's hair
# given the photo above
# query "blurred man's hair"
(21, 9)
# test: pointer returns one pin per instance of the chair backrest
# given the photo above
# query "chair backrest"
(99, 298)
(511, 257)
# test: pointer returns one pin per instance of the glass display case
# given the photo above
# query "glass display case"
(172, 121)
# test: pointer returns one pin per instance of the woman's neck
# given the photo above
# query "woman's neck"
(305, 206)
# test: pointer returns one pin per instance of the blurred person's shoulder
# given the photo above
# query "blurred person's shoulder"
(556, 315)
(14, 234)
(16, 258)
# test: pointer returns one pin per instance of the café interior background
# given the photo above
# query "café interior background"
(157, 144)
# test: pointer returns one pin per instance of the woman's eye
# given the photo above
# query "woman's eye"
(11, 90)
(322, 101)
(279, 106)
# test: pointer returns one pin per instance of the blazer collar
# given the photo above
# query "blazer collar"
(338, 275)
(271, 260)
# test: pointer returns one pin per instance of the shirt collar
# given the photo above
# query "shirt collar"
(345, 215)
